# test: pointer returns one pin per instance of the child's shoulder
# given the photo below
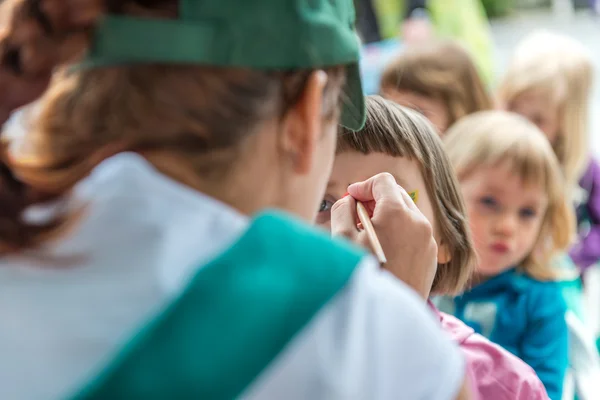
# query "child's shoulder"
(526, 282)
(542, 295)
(591, 175)
(500, 373)
(535, 287)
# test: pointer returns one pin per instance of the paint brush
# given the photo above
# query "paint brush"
(365, 220)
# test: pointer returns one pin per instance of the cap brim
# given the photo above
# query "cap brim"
(353, 108)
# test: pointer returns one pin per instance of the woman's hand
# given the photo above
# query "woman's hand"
(404, 232)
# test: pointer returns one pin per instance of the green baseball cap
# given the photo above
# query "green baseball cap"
(257, 34)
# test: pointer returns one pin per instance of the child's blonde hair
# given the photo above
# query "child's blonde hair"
(560, 68)
(401, 132)
(442, 70)
(491, 138)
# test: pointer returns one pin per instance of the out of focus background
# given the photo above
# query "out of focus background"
(510, 21)
(579, 19)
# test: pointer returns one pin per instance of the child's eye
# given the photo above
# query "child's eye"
(325, 206)
(489, 202)
(527, 213)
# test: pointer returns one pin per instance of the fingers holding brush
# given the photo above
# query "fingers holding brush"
(382, 188)
(344, 219)
(350, 219)
(367, 225)
(405, 234)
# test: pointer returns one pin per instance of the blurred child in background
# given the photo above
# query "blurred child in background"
(520, 217)
(549, 81)
(438, 79)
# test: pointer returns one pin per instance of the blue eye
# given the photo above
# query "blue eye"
(325, 206)
(489, 202)
(527, 213)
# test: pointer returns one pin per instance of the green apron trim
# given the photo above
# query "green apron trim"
(237, 314)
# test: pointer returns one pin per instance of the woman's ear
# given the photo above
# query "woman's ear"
(302, 125)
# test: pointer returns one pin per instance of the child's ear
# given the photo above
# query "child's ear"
(443, 255)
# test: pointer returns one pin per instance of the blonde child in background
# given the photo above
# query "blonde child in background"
(399, 141)
(520, 217)
(549, 81)
(438, 79)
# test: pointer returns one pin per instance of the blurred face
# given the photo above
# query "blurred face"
(505, 217)
(539, 109)
(350, 167)
(433, 109)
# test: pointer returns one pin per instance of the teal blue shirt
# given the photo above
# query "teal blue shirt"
(523, 315)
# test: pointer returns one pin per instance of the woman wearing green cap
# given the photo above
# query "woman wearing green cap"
(139, 261)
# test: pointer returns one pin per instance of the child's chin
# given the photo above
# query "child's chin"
(492, 269)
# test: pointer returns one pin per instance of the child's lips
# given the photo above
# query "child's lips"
(500, 248)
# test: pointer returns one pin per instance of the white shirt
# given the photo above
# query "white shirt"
(142, 238)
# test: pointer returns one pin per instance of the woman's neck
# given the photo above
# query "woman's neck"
(235, 187)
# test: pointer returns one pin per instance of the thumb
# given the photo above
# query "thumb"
(344, 218)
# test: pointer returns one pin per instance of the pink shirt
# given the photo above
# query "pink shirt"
(497, 374)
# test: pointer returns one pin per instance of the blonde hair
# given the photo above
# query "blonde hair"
(442, 70)
(491, 138)
(401, 132)
(560, 68)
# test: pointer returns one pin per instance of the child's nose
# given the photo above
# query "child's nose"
(506, 224)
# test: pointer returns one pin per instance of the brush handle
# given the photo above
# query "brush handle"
(365, 220)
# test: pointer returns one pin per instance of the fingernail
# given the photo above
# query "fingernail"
(323, 75)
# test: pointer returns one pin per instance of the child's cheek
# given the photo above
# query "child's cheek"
(532, 233)
(477, 223)
(323, 221)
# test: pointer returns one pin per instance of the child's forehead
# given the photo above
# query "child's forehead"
(551, 91)
(353, 163)
(540, 96)
(505, 177)
(352, 168)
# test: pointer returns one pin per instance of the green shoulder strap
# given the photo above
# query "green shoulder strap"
(237, 314)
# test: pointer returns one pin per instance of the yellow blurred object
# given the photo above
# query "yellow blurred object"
(414, 196)
(462, 20)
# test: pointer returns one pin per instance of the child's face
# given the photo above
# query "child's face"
(505, 216)
(350, 167)
(539, 109)
(433, 109)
